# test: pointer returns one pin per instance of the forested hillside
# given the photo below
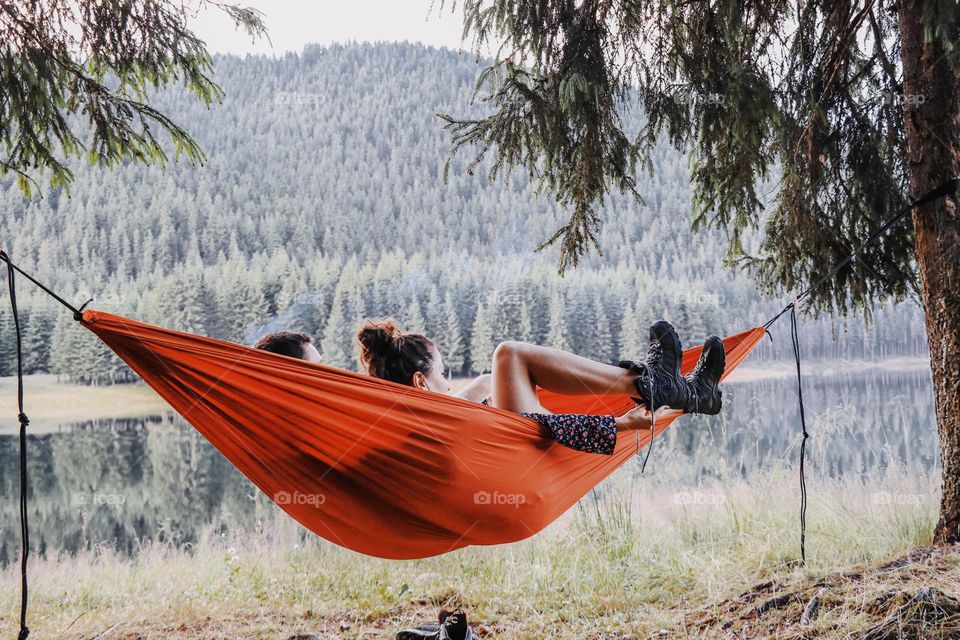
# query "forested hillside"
(322, 202)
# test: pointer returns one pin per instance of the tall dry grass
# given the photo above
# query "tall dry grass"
(634, 557)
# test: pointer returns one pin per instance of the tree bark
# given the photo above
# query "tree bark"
(932, 117)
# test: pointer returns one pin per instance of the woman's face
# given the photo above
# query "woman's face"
(437, 380)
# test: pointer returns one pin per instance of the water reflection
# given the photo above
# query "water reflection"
(860, 424)
(123, 481)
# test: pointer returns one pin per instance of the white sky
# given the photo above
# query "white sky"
(293, 23)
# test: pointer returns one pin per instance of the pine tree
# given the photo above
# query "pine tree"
(481, 341)
(557, 337)
(633, 334)
(242, 306)
(71, 350)
(338, 335)
(413, 321)
(37, 339)
(600, 342)
(450, 338)
(435, 313)
(196, 302)
(63, 92)
(580, 321)
(8, 343)
(505, 309)
(526, 331)
(184, 303)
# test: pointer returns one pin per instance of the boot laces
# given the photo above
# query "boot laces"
(654, 352)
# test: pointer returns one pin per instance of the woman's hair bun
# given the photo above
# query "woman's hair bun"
(389, 353)
(378, 339)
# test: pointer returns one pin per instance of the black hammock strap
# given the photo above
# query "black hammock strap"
(947, 188)
(795, 339)
(24, 421)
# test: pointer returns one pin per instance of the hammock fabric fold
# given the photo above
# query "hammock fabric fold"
(380, 468)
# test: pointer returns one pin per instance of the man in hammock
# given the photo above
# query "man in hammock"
(292, 344)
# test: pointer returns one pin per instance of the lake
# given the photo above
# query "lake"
(119, 482)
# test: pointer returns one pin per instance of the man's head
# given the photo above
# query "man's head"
(288, 343)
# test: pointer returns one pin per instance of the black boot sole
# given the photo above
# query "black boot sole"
(428, 632)
(709, 401)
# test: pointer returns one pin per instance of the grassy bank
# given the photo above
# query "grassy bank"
(640, 560)
(50, 402)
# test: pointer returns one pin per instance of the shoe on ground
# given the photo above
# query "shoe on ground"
(452, 626)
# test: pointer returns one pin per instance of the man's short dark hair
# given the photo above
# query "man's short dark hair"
(286, 343)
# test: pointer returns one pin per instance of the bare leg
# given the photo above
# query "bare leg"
(518, 368)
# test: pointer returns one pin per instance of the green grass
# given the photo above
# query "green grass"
(642, 558)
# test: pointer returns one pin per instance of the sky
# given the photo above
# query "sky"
(293, 23)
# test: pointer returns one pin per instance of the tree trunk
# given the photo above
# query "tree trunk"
(932, 117)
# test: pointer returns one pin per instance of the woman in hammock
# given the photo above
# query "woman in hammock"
(519, 368)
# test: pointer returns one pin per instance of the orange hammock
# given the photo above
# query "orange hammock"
(381, 468)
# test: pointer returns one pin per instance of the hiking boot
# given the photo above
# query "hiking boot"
(426, 632)
(659, 383)
(704, 396)
(453, 626)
